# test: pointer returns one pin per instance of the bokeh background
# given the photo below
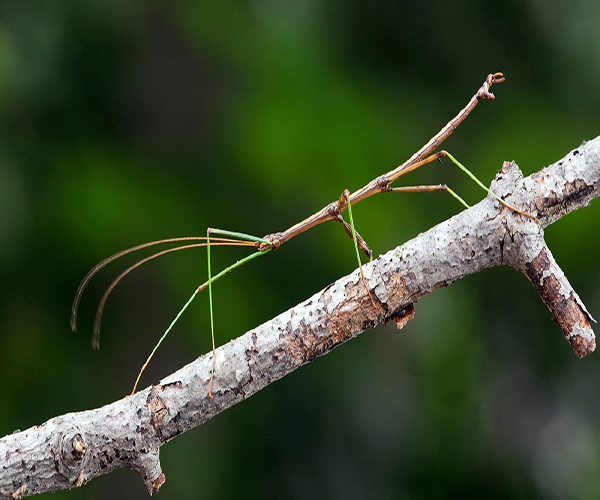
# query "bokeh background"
(128, 121)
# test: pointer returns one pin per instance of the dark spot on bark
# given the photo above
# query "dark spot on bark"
(404, 316)
(536, 268)
(177, 385)
(105, 459)
(158, 410)
(573, 193)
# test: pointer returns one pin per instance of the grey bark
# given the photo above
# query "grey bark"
(72, 449)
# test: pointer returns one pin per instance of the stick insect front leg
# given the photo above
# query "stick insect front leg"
(242, 237)
(243, 240)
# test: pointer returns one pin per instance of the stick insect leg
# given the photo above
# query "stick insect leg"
(362, 276)
(241, 236)
(206, 284)
(438, 156)
(210, 302)
(425, 189)
(411, 168)
(481, 185)
(362, 244)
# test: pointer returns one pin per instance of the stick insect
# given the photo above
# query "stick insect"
(331, 212)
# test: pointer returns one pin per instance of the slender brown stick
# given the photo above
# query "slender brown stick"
(360, 241)
(331, 211)
(382, 184)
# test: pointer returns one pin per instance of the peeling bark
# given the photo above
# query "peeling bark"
(69, 450)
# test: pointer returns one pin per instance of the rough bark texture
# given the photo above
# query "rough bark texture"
(72, 449)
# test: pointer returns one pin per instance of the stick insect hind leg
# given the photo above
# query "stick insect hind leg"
(489, 191)
(443, 187)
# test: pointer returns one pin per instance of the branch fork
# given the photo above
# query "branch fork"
(525, 249)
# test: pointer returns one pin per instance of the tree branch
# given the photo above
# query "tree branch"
(72, 449)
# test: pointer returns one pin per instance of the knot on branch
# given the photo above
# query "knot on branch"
(70, 450)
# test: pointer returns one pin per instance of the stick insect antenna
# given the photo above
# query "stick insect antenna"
(219, 242)
(108, 260)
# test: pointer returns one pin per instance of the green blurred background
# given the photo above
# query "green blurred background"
(128, 121)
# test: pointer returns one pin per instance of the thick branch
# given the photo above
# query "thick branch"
(72, 449)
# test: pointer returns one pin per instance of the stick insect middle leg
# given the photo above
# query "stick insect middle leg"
(359, 241)
(354, 238)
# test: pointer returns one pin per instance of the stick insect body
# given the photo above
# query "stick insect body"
(332, 211)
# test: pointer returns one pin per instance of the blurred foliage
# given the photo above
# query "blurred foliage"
(122, 122)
